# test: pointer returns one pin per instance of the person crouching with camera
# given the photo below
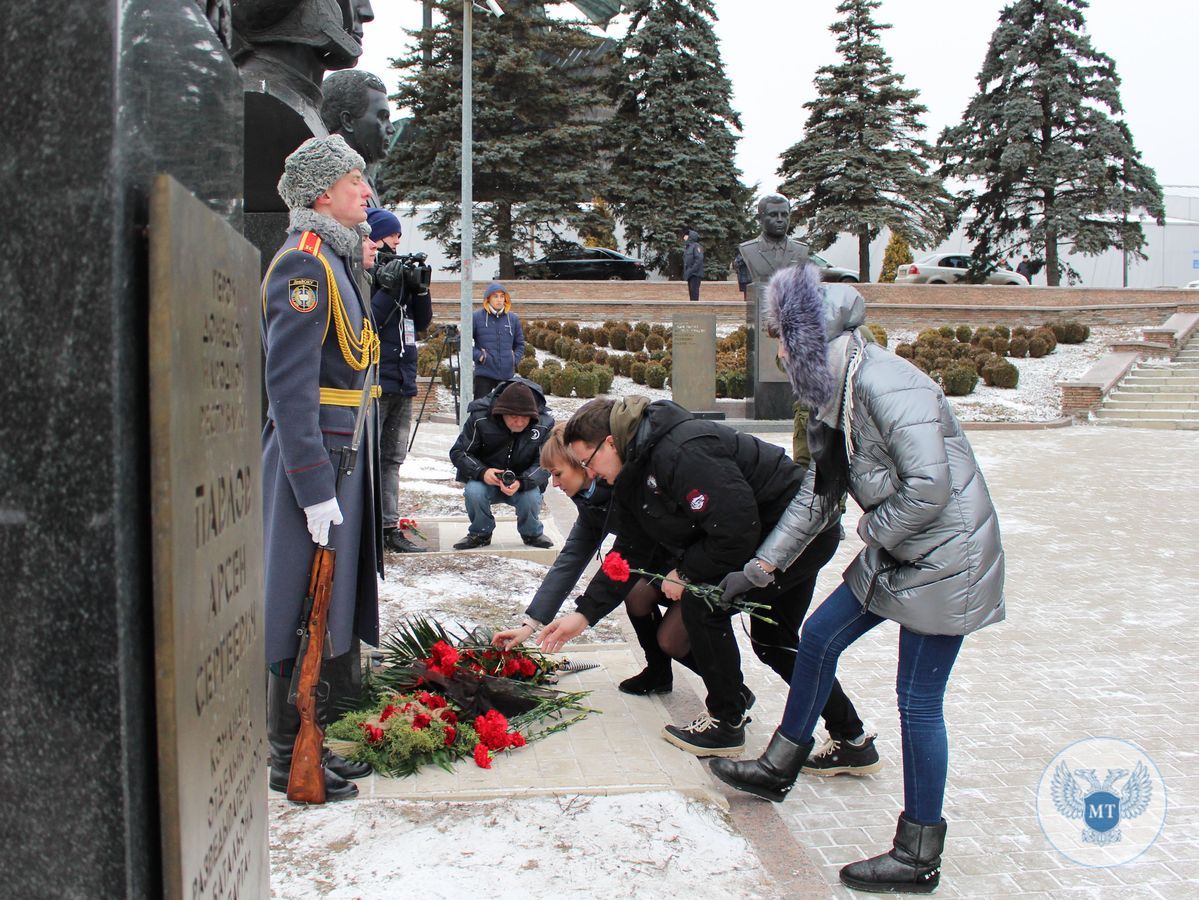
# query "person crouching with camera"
(402, 306)
(497, 456)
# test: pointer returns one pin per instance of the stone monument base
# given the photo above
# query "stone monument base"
(771, 400)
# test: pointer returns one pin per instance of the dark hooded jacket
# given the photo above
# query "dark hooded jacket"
(699, 490)
(397, 360)
(486, 443)
(693, 257)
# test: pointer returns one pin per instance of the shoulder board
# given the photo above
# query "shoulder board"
(310, 242)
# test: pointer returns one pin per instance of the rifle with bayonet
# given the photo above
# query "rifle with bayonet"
(306, 781)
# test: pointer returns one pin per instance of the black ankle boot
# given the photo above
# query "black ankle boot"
(657, 677)
(770, 776)
(913, 865)
(282, 726)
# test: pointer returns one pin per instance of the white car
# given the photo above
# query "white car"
(950, 268)
(1193, 285)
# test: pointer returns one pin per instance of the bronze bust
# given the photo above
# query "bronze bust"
(354, 105)
(772, 249)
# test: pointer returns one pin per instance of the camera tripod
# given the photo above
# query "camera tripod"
(450, 345)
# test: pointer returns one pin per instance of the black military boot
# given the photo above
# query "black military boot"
(656, 677)
(282, 726)
(912, 866)
(770, 776)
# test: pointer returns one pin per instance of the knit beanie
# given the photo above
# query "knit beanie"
(313, 167)
(382, 222)
(495, 288)
(516, 400)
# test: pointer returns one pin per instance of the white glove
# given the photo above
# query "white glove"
(322, 516)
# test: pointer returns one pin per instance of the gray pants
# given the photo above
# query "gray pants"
(395, 422)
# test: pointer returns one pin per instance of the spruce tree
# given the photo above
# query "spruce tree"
(1042, 137)
(535, 129)
(673, 164)
(861, 164)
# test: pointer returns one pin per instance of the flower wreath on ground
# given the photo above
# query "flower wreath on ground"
(438, 698)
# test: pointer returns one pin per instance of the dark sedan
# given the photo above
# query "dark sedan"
(588, 263)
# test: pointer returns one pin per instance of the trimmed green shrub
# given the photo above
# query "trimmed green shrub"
(880, 333)
(554, 326)
(587, 335)
(1000, 345)
(655, 342)
(637, 373)
(635, 340)
(552, 365)
(571, 329)
(601, 357)
(1050, 338)
(655, 376)
(564, 382)
(544, 378)
(1037, 346)
(445, 375)
(947, 331)
(1074, 333)
(963, 334)
(603, 379)
(928, 334)
(987, 342)
(1003, 331)
(738, 384)
(1001, 374)
(904, 350)
(526, 365)
(601, 337)
(643, 328)
(1018, 347)
(659, 329)
(959, 380)
(619, 338)
(722, 384)
(626, 365)
(585, 385)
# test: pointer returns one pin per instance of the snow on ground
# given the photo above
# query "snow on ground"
(468, 590)
(645, 845)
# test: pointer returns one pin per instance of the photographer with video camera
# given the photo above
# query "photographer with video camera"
(401, 306)
(497, 456)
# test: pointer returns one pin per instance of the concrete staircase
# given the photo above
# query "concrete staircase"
(1157, 396)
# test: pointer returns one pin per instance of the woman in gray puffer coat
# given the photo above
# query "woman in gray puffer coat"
(933, 561)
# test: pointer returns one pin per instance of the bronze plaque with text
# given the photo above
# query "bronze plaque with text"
(205, 388)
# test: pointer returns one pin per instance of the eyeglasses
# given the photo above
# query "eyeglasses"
(587, 463)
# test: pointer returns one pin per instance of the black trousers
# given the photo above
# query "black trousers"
(718, 659)
(693, 287)
(484, 386)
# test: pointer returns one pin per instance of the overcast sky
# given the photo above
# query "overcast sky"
(772, 48)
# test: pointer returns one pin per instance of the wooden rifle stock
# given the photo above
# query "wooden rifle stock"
(306, 782)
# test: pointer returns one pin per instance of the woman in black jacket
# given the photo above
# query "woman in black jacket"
(593, 497)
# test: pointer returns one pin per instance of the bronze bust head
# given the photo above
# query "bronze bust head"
(354, 105)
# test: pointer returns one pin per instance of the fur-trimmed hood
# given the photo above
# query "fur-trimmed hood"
(808, 315)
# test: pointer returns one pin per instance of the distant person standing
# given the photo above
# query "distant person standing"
(1025, 268)
(499, 340)
(693, 263)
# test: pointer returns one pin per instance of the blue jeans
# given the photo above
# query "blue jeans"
(480, 497)
(925, 661)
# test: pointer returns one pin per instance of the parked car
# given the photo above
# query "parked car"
(829, 272)
(591, 263)
(1192, 285)
(950, 268)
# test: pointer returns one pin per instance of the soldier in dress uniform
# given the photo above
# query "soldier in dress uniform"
(321, 348)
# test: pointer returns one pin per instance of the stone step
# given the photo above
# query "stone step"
(1150, 401)
(1134, 387)
(1160, 414)
(1163, 379)
(1168, 424)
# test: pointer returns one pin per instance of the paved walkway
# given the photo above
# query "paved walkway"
(1100, 529)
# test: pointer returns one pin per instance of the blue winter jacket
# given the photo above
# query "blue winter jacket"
(503, 339)
(397, 363)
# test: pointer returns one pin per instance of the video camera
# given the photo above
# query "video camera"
(449, 332)
(400, 273)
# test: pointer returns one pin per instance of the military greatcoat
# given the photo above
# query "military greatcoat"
(320, 345)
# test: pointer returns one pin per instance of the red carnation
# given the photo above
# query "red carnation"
(482, 757)
(374, 734)
(388, 712)
(424, 697)
(436, 701)
(528, 668)
(449, 717)
(516, 739)
(451, 735)
(511, 667)
(420, 722)
(445, 657)
(615, 567)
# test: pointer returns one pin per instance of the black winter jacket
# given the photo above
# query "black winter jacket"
(593, 522)
(486, 443)
(397, 361)
(702, 492)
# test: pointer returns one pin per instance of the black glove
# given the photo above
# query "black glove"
(737, 583)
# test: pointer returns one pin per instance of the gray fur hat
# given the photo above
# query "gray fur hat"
(313, 167)
(807, 315)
